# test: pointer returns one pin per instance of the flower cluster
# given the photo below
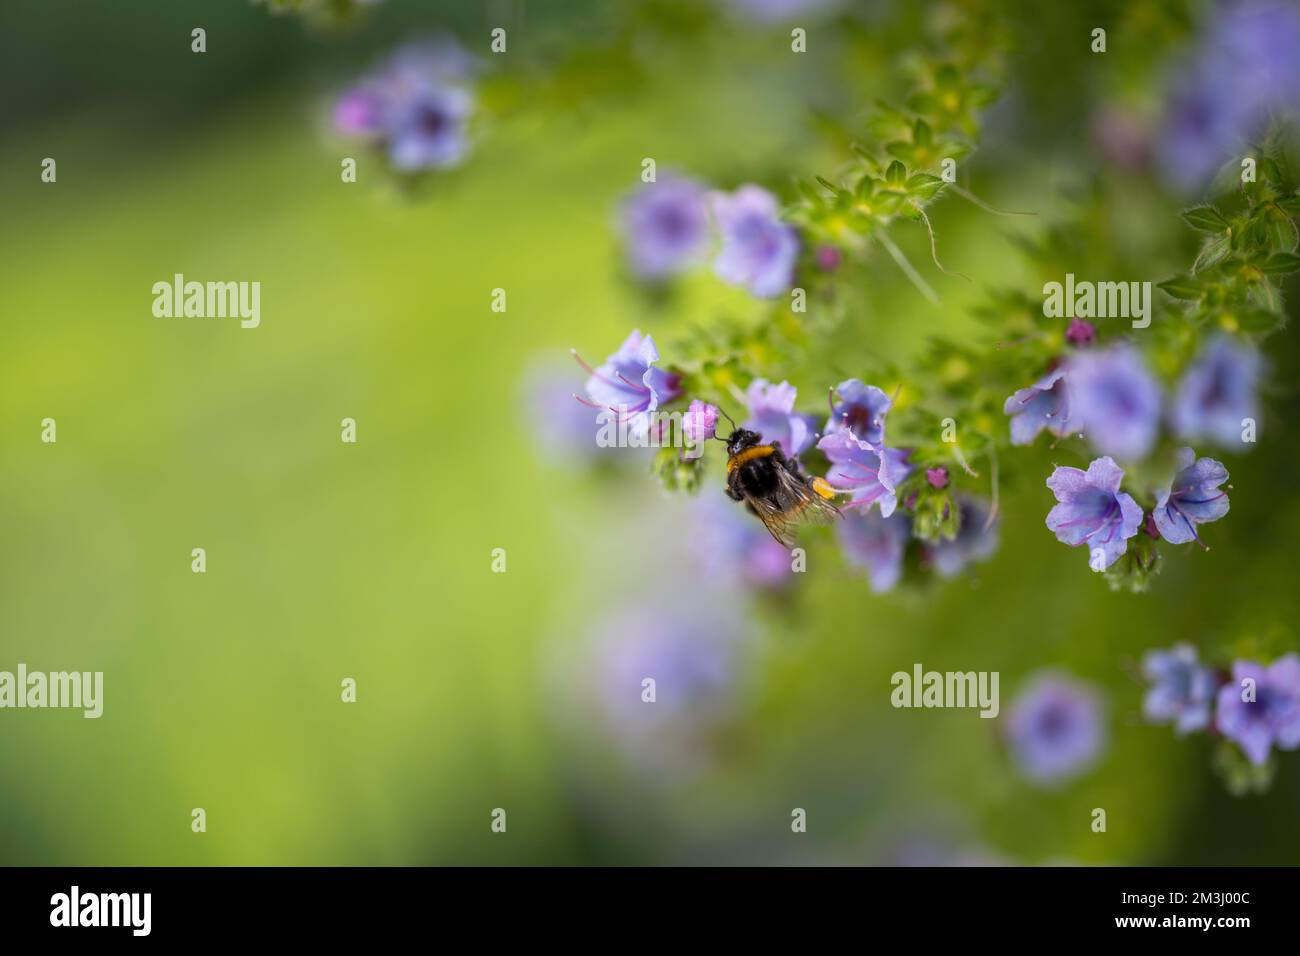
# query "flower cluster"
(415, 108)
(1055, 729)
(668, 227)
(1110, 397)
(1257, 707)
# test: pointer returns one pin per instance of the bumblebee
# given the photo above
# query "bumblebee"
(774, 488)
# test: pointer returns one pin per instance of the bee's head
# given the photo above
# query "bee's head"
(741, 439)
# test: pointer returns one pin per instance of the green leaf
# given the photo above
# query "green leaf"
(1205, 218)
(947, 78)
(922, 135)
(924, 186)
(1280, 264)
(896, 174)
(1289, 205)
(1213, 252)
(1182, 287)
(1253, 321)
(827, 184)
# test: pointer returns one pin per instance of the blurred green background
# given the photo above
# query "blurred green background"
(373, 560)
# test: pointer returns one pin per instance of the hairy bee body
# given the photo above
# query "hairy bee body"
(773, 487)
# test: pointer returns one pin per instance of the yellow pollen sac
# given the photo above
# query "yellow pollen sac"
(822, 488)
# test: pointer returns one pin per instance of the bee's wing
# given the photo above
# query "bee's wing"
(793, 505)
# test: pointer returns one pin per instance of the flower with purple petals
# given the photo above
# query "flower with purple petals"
(876, 543)
(1045, 404)
(1181, 691)
(1055, 729)
(1192, 498)
(1092, 510)
(629, 385)
(861, 409)
(867, 473)
(728, 542)
(700, 423)
(665, 227)
(772, 415)
(758, 249)
(976, 540)
(1249, 64)
(417, 105)
(1217, 393)
(429, 129)
(1267, 717)
(1116, 400)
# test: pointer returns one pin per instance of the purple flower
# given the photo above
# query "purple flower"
(937, 477)
(428, 129)
(416, 105)
(730, 542)
(564, 430)
(359, 112)
(691, 657)
(629, 385)
(875, 543)
(665, 227)
(1249, 64)
(772, 415)
(1116, 400)
(700, 423)
(1092, 510)
(775, 11)
(1080, 333)
(1216, 393)
(1045, 404)
(1192, 498)
(976, 539)
(867, 473)
(1055, 729)
(758, 249)
(861, 409)
(1272, 717)
(1181, 690)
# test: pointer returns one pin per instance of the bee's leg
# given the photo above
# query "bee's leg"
(733, 494)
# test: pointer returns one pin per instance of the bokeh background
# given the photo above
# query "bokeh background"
(521, 690)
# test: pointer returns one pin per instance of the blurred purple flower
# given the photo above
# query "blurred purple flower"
(428, 129)
(1192, 498)
(775, 11)
(731, 542)
(665, 227)
(690, 653)
(1045, 404)
(1272, 718)
(1080, 333)
(877, 544)
(758, 249)
(1116, 401)
(1217, 393)
(700, 423)
(937, 477)
(772, 415)
(417, 104)
(976, 540)
(1247, 66)
(1055, 729)
(1092, 510)
(867, 473)
(563, 430)
(629, 385)
(1181, 691)
(861, 409)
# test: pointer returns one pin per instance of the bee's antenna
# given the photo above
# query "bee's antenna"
(726, 416)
